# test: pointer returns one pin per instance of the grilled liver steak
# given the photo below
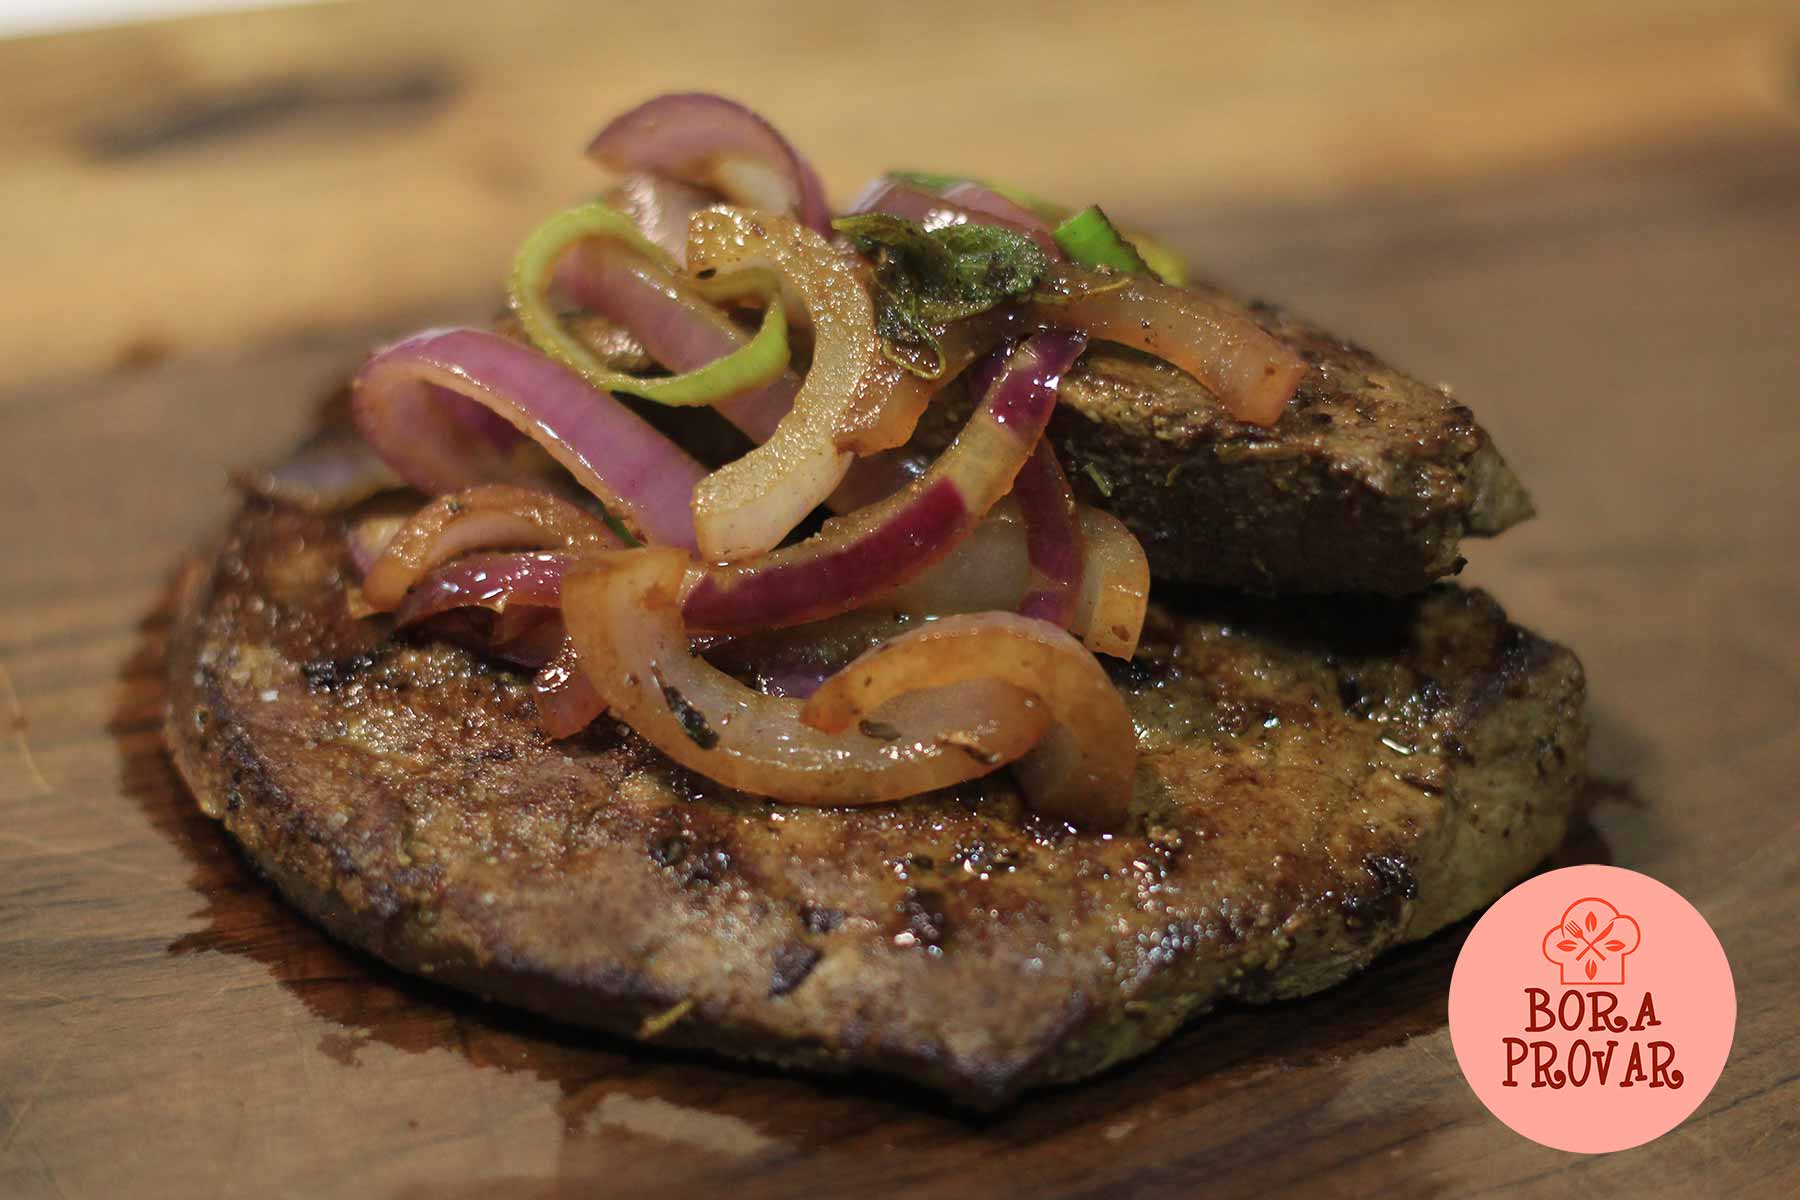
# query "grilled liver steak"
(1317, 782)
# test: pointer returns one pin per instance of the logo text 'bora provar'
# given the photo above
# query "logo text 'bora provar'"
(1588, 1062)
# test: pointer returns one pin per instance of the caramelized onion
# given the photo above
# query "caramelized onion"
(367, 536)
(1253, 373)
(1081, 772)
(1115, 586)
(890, 399)
(642, 477)
(493, 516)
(991, 570)
(566, 700)
(986, 541)
(623, 613)
(535, 640)
(857, 557)
(748, 506)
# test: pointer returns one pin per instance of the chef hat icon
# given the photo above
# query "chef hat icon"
(1591, 941)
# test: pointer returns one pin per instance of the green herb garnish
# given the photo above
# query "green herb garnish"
(924, 280)
(1163, 262)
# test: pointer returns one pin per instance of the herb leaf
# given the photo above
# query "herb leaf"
(927, 279)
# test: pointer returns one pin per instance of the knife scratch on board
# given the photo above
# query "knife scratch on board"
(15, 721)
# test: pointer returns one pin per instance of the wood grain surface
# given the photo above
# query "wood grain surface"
(1585, 216)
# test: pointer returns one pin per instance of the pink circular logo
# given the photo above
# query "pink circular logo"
(1592, 1009)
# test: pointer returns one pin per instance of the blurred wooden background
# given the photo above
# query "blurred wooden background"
(1584, 215)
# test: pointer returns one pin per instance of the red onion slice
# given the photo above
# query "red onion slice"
(1081, 773)
(715, 143)
(482, 422)
(924, 209)
(491, 581)
(660, 207)
(503, 584)
(1052, 538)
(331, 471)
(1054, 551)
(494, 516)
(642, 477)
(857, 557)
(524, 591)
(623, 614)
(989, 206)
(858, 400)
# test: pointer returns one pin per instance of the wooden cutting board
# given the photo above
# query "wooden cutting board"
(1585, 216)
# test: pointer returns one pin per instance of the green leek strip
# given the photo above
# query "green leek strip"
(757, 362)
(1091, 240)
(1167, 265)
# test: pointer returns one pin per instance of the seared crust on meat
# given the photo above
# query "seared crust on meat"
(1369, 482)
(1317, 781)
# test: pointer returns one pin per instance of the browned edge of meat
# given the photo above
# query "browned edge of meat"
(1317, 782)
(1369, 482)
